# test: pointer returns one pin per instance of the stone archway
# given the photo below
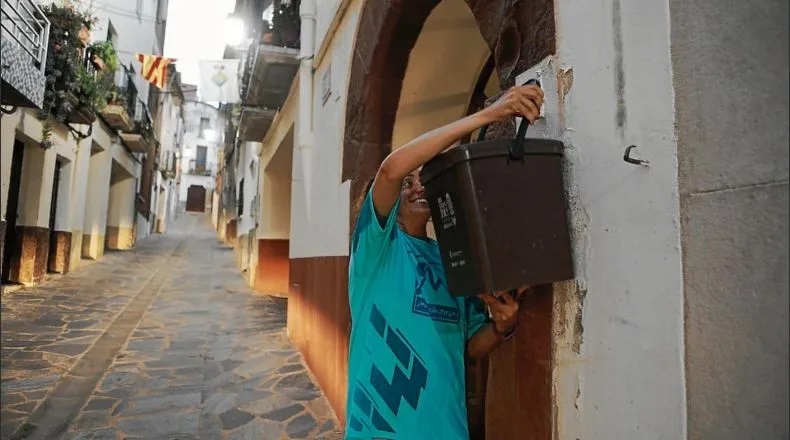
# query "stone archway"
(519, 35)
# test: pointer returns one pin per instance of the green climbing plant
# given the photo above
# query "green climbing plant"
(91, 89)
(64, 71)
(106, 51)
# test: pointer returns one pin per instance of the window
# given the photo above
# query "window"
(240, 201)
(200, 158)
(127, 80)
(204, 125)
(112, 34)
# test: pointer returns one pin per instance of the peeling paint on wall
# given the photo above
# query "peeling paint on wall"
(564, 83)
(568, 336)
(569, 296)
(569, 310)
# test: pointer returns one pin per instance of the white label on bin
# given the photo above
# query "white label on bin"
(447, 211)
(457, 258)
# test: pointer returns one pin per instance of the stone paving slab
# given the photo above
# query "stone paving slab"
(208, 360)
(46, 328)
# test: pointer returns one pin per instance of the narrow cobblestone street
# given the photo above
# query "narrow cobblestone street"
(165, 341)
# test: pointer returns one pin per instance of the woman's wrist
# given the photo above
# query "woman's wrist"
(486, 116)
(503, 333)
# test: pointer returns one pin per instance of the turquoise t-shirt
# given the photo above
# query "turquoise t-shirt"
(408, 336)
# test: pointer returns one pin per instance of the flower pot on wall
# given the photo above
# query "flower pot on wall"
(97, 62)
(85, 35)
(80, 113)
(115, 114)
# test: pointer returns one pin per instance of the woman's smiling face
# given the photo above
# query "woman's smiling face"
(414, 209)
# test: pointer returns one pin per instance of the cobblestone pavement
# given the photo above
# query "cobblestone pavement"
(162, 342)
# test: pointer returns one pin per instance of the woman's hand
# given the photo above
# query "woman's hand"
(520, 101)
(504, 309)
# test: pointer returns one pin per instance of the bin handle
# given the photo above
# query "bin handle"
(515, 150)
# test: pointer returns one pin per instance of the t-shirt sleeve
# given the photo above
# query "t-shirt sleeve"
(476, 315)
(373, 235)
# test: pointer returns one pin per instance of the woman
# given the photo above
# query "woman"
(408, 334)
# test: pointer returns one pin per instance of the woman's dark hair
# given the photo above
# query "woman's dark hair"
(361, 197)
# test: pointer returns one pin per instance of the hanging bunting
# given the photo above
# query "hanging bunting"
(154, 68)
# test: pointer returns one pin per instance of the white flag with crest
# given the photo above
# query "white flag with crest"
(219, 81)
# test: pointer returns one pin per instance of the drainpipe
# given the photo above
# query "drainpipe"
(304, 135)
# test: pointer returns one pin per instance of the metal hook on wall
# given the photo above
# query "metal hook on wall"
(627, 157)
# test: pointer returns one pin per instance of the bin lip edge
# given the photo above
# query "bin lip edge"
(481, 150)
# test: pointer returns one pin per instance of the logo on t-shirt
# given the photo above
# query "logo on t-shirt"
(429, 291)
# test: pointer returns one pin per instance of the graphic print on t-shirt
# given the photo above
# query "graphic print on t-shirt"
(407, 382)
(429, 286)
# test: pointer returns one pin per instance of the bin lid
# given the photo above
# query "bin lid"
(485, 149)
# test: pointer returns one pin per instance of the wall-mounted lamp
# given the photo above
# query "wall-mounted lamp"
(233, 30)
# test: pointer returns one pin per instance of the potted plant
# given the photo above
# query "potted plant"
(103, 56)
(287, 24)
(72, 94)
(116, 113)
(85, 34)
(67, 32)
(91, 90)
(116, 96)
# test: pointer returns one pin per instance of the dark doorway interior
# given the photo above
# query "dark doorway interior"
(196, 198)
(12, 209)
(53, 212)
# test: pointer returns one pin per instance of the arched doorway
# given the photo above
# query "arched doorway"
(418, 65)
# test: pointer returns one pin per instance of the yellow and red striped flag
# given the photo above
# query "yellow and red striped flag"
(154, 68)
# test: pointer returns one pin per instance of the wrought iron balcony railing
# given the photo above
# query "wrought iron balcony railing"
(142, 120)
(199, 169)
(121, 102)
(24, 22)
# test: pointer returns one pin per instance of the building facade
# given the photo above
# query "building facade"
(171, 130)
(676, 324)
(203, 140)
(79, 146)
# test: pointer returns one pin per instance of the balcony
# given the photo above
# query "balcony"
(200, 172)
(271, 71)
(23, 50)
(121, 103)
(157, 155)
(254, 123)
(77, 75)
(232, 116)
(169, 171)
(82, 99)
(270, 64)
(141, 137)
(199, 169)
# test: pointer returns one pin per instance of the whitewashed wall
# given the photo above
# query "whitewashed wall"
(621, 375)
(324, 231)
(135, 23)
(247, 171)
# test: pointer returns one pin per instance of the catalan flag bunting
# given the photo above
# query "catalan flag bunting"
(154, 68)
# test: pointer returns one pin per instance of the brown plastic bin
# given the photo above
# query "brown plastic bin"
(500, 214)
